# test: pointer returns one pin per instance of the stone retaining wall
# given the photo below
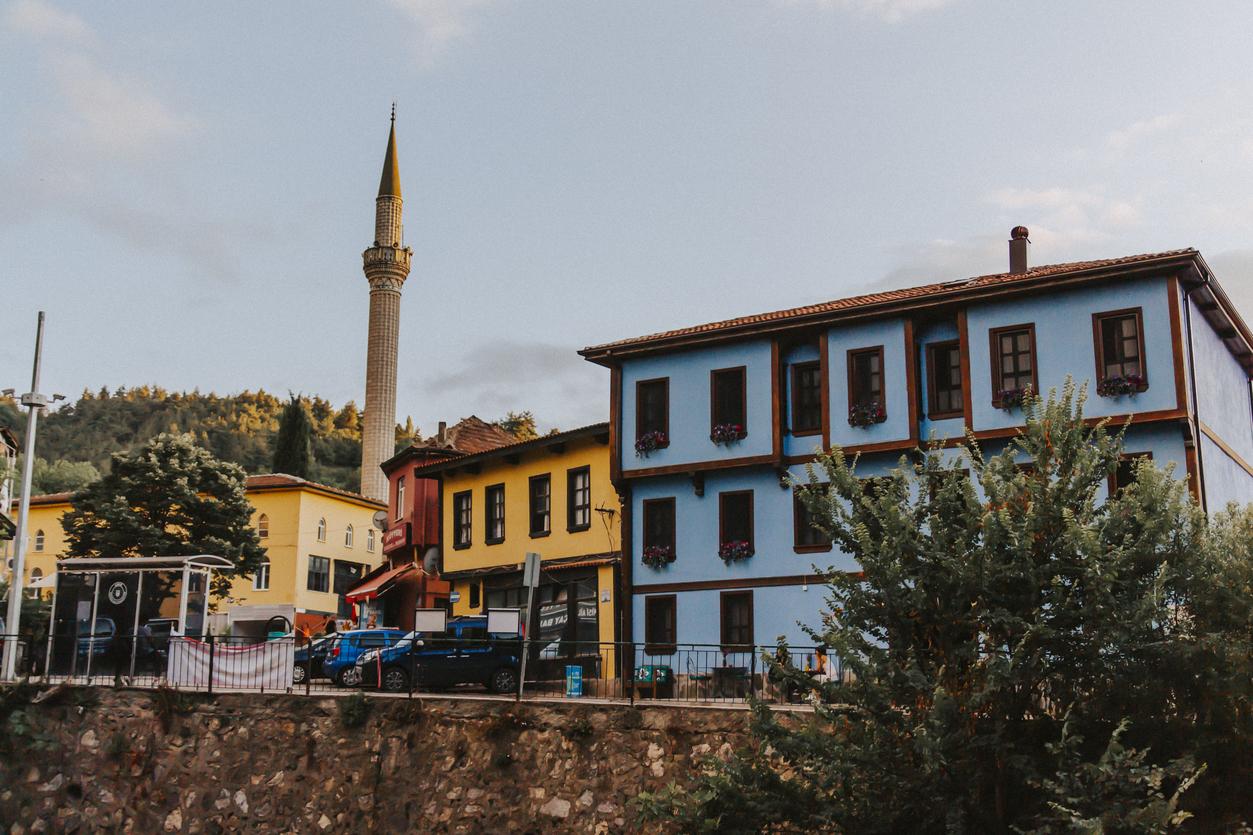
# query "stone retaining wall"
(91, 760)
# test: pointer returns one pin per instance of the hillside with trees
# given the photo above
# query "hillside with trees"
(76, 441)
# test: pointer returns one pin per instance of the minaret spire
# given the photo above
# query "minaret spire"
(386, 266)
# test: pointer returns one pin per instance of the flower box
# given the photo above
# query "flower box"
(1009, 399)
(650, 442)
(727, 433)
(1118, 385)
(734, 551)
(656, 556)
(866, 414)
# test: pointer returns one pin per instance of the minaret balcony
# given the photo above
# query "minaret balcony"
(392, 256)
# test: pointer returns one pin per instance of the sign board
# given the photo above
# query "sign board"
(454, 597)
(117, 593)
(530, 570)
(396, 537)
(574, 680)
(431, 621)
(504, 621)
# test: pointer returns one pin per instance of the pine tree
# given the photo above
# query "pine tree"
(293, 445)
(1018, 653)
(168, 498)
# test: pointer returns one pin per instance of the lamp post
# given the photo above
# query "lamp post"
(34, 403)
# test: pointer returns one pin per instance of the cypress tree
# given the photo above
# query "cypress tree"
(293, 445)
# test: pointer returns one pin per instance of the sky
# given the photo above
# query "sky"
(186, 189)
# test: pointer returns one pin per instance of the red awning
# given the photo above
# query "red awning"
(374, 585)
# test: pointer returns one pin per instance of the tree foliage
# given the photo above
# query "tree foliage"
(1019, 653)
(168, 498)
(520, 424)
(293, 445)
(59, 476)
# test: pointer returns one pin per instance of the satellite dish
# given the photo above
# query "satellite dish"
(380, 520)
(430, 561)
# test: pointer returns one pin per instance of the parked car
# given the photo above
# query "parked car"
(465, 654)
(99, 643)
(346, 647)
(162, 628)
(309, 659)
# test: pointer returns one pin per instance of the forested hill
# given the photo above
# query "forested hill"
(76, 441)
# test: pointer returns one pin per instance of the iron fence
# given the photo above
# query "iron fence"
(348, 662)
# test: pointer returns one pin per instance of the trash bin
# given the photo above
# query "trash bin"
(574, 680)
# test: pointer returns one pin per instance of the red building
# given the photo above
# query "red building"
(400, 585)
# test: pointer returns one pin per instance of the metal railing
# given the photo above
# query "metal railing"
(557, 669)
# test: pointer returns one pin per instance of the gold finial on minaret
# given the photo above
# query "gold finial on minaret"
(386, 266)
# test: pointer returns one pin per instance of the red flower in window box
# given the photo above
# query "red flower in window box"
(727, 433)
(735, 550)
(1012, 398)
(866, 414)
(649, 442)
(1118, 385)
(656, 556)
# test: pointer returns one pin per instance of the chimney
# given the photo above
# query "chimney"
(1018, 250)
(442, 436)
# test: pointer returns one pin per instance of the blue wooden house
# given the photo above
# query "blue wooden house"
(706, 422)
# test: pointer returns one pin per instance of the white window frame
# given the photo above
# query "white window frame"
(349, 536)
(369, 540)
(263, 526)
(322, 529)
(261, 580)
(400, 498)
(40, 539)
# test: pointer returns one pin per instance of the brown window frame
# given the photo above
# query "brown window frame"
(487, 513)
(475, 595)
(722, 527)
(1111, 480)
(1098, 342)
(723, 627)
(664, 429)
(645, 510)
(458, 522)
(799, 512)
(658, 644)
(851, 356)
(571, 507)
(742, 372)
(932, 348)
(795, 371)
(545, 478)
(996, 357)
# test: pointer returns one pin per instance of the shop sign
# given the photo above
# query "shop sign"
(396, 537)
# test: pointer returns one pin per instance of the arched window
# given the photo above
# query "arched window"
(35, 574)
(263, 526)
(39, 540)
(369, 540)
(348, 537)
(261, 580)
(322, 529)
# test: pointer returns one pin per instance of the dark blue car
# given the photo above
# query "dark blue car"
(465, 654)
(309, 660)
(345, 648)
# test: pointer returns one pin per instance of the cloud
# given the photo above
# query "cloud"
(115, 114)
(1084, 214)
(889, 11)
(505, 374)
(439, 23)
(1121, 140)
(46, 22)
(1234, 271)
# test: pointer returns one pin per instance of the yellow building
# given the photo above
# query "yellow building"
(551, 496)
(319, 542)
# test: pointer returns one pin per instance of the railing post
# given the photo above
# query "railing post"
(211, 654)
(752, 672)
(630, 671)
(309, 668)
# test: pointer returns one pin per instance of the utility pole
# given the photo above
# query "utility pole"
(34, 402)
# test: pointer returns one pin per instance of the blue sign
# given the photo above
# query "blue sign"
(574, 680)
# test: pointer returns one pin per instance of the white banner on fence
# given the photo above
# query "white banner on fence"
(266, 665)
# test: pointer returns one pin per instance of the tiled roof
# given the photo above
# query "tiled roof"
(515, 448)
(947, 289)
(271, 481)
(471, 435)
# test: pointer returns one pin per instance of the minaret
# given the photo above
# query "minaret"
(386, 265)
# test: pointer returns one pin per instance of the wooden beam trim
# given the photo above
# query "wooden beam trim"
(1221, 444)
(719, 585)
(1176, 343)
(699, 466)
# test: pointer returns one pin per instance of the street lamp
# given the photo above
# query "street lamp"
(34, 402)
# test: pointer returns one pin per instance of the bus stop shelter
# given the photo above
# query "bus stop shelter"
(104, 609)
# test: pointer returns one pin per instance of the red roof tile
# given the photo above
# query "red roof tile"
(869, 300)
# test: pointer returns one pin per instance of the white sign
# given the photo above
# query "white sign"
(430, 621)
(530, 570)
(454, 597)
(504, 621)
(117, 593)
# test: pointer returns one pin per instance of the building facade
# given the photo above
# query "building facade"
(708, 422)
(401, 584)
(319, 542)
(551, 496)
